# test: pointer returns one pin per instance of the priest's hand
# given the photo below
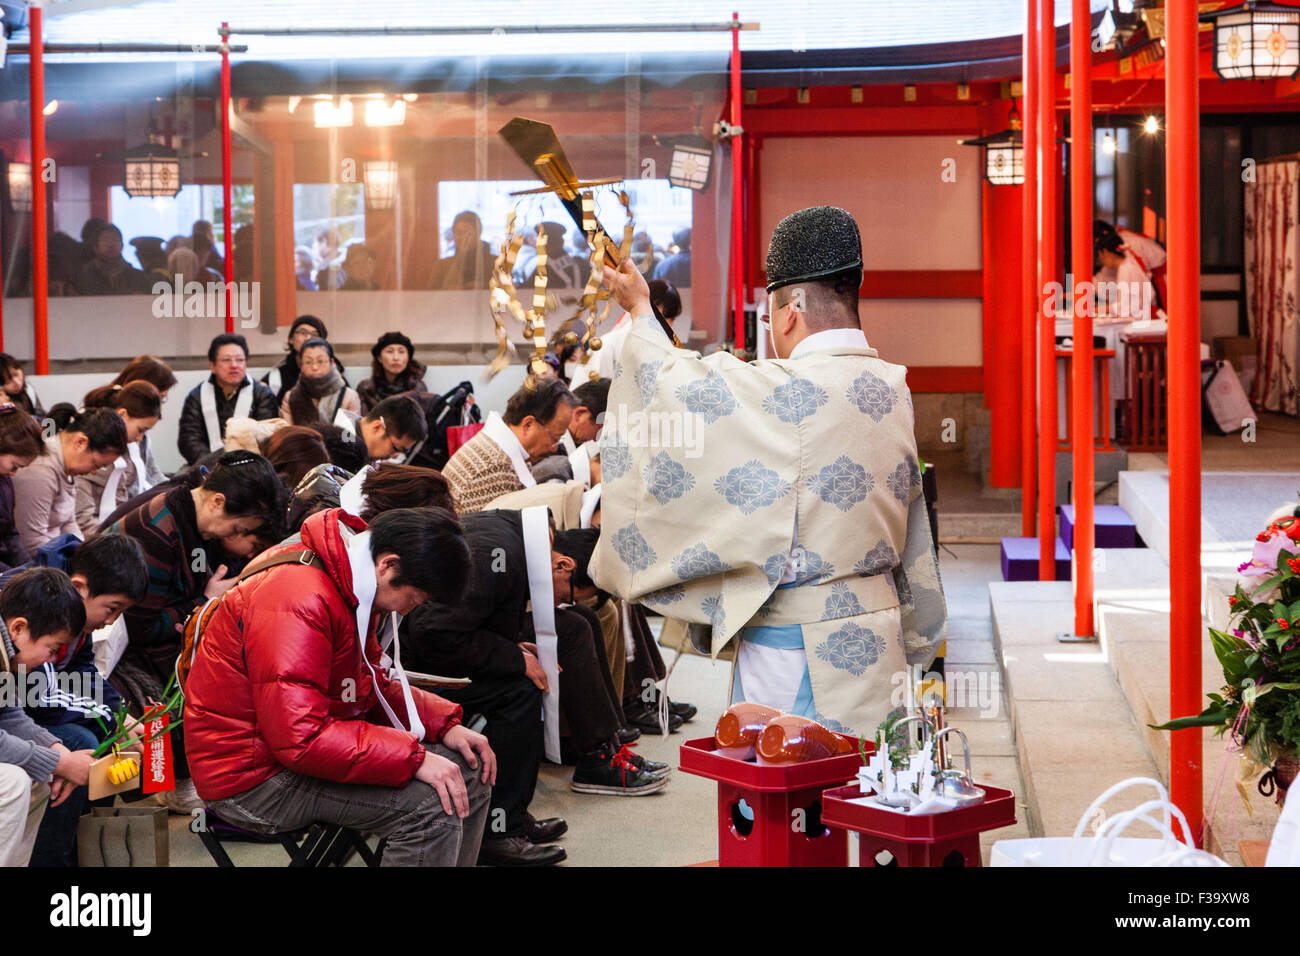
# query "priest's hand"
(628, 288)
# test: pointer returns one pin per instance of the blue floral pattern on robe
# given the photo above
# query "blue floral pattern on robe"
(665, 596)
(712, 608)
(880, 558)
(872, 395)
(697, 561)
(841, 603)
(852, 648)
(774, 567)
(708, 397)
(795, 400)
(615, 458)
(646, 378)
(666, 479)
(843, 483)
(751, 486)
(831, 724)
(899, 481)
(816, 569)
(632, 547)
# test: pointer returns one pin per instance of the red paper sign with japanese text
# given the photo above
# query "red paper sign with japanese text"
(158, 776)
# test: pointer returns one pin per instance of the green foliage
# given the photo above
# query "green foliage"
(1261, 668)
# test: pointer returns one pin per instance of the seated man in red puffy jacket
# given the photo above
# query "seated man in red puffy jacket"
(288, 722)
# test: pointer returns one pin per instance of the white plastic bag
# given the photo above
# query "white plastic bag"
(1106, 847)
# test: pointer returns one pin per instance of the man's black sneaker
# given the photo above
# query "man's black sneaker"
(518, 851)
(650, 766)
(614, 772)
(544, 831)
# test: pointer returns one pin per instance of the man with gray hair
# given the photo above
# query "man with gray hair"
(495, 461)
(800, 537)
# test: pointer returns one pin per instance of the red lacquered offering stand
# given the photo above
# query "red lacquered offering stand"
(789, 826)
(951, 838)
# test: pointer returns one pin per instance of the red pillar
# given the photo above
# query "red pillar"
(40, 246)
(226, 176)
(1003, 339)
(1081, 267)
(1182, 155)
(737, 193)
(1029, 278)
(1049, 227)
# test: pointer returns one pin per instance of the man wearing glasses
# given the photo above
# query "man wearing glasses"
(390, 431)
(495, 461)
(793, 528)
(227, 393)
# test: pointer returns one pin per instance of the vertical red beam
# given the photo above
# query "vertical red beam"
(1048, 229)
(226, 176)
(1007, 344)
(40, 246)
(1029, 284)
(737, 193)
(1081, 267)
(1182, 157)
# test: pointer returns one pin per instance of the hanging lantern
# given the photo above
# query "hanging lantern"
(380, 177)
(1256, 40)
(152, 170)
(20, 187)
(1004, 154)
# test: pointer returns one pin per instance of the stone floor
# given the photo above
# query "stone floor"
(676, 827)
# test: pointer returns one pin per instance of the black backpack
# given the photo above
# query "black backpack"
(442, 412)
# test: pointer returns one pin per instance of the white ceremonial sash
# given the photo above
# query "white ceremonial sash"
(108, 500)
(208, 401)
(364, 586)
(537, 555)
(500, 432)
(273, 381)
(590, 499)
(343, 422)
(351, 498)
(580, 462)
(136, 450)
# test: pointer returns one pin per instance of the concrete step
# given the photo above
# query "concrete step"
(1131, 600)
(1075, 734)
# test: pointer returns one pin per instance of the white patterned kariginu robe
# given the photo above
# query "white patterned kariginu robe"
(722, 479)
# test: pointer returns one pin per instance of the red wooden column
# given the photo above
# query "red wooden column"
(40, 246)
(1049, 227)
(1081, 267)
(1003, 334)
(737, 193)
(226, 176)
(1182, 156)
(1029, 306)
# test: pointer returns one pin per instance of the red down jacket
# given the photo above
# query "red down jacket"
(267, 690)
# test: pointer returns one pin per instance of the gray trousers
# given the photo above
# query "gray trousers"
(411, 817)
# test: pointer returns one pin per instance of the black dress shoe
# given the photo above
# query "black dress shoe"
(646, 720)
(518, 851)
(544, 831)
(684, 711)
(628, 734)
